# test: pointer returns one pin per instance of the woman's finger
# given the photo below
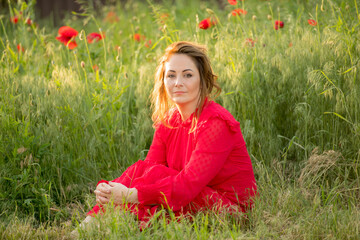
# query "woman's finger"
(103, 200)
(102, 194)
(105, 188)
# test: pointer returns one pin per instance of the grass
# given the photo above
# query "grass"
(65, 125)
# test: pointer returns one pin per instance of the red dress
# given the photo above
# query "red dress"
(188, 172)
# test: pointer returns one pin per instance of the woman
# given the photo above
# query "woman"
(198, 158)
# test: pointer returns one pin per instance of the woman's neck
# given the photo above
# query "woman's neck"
(186, 111)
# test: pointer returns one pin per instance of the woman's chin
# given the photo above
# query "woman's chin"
(179, 101)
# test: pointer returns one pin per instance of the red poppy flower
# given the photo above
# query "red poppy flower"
(250, 42)
(312, 22)
(137, 37)
(20, 48)
(232, 2)
(29, 21)
(95, 67)
(148, 43)
(66, 36)
(239, 12)
(205, 24)
(111, 17)
(14, 19)
(278, 24)
(95, 37)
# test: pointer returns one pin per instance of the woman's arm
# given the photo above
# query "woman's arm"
(214, 144)
(157, 151)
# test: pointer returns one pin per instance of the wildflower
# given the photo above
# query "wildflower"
(95, 37)
(239, 12)
(66, 36)
(278, 24)
(82, 64)
(14, 19)
(250, 42)
(20, 48)
(111, 17)
(254, 17)
(95, 67)
(137, 37)
(312, 22)
(290, 44)
(232, 2)
(205, 24)
(148, 43)
(164, 17)
(269, 17)
(29, 21)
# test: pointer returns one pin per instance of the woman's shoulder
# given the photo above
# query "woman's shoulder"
(214, 111)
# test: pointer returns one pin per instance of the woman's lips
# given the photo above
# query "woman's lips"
(179, 92)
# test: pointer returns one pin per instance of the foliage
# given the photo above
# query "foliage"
(69, 118)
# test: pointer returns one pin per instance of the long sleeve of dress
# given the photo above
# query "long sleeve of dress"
(157, 151)
(213, 146)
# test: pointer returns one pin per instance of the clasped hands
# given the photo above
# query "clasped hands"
(116, 192)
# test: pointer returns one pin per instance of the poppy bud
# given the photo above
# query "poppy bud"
(269, 17)
(253, 17)
(137, 28)
(82, 64)
(209, 11)
(81, 35)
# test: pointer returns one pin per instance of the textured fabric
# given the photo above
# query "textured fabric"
(187, 172)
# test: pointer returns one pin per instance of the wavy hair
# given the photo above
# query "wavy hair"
(161, 103)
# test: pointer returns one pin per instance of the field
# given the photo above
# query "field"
(71, 115)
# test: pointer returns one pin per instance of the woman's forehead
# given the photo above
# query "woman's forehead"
(180, 62)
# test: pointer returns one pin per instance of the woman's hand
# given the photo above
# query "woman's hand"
(103, 193)
(116, 192)
(120, 193)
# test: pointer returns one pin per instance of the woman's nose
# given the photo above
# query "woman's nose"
(178, 81)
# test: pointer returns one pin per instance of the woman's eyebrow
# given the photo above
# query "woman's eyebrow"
(183, 70)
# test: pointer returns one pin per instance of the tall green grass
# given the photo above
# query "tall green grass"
(63, 127)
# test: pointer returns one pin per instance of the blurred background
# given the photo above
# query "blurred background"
(55, 10)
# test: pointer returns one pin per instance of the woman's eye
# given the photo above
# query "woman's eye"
(171, 76)
(188, 75)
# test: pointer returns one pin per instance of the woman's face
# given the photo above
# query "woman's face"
(182, 81)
